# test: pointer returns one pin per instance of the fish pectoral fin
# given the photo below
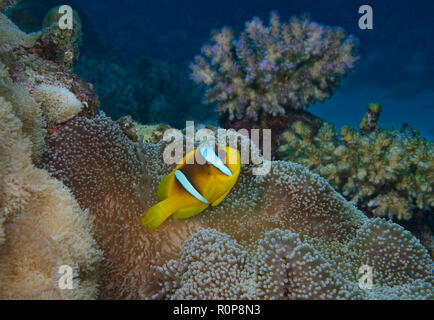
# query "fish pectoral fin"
(158, 213)
(189, 212)
(220, 199)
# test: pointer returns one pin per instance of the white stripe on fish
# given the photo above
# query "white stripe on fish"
(188, 186)
(209, 155)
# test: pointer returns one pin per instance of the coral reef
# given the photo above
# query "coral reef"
(389, 173)
(320, 242)
(284, 235)
(29, 66)
(268, 70)
(42, 226)
(58, 104)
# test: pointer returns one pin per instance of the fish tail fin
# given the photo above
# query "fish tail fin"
(158, 213)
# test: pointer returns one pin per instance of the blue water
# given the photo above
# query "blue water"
(397, 56)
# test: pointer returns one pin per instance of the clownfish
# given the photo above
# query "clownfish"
(191, 188)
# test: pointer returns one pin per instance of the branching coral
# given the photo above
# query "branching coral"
(315, 252)
(271, 69)
(390, 172)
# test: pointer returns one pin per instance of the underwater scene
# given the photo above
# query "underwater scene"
(207, 150)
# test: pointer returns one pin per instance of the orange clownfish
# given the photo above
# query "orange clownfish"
(191, 188)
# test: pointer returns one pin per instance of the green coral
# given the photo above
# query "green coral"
(390, 173)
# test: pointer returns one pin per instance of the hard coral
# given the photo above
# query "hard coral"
(269, 70)
(315, 252)
(390, 172)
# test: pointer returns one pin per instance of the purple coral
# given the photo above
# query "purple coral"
(275, 68)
